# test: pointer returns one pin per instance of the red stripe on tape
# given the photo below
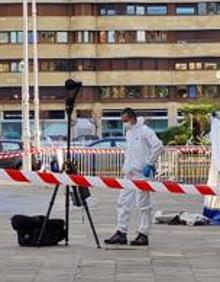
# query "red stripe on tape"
(17, 175)
(80, 180)
(173, 187)
(205, 190)
(48, 178)
(112, 182)
(143, 185)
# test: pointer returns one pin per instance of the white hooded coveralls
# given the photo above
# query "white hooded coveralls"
(143, 147)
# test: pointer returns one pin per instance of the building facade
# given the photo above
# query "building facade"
(151, 55)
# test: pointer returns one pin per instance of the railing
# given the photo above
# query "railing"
(188, 164)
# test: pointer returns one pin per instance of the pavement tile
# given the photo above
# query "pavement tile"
(176, 253)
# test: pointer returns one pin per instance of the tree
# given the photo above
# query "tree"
(195, 127)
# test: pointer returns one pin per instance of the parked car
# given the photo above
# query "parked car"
(110, 142)
(8, 147)
(84, 140)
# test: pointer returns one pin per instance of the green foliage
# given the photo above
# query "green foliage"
(194, 129)
(177, 135)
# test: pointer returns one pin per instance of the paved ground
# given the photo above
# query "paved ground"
(176, 253)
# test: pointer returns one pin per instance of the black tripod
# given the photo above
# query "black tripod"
(78, 194)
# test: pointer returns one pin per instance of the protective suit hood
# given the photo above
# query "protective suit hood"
(139, 123)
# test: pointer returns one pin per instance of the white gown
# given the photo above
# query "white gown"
(213, 202)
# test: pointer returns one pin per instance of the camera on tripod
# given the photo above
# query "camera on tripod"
(77, 194)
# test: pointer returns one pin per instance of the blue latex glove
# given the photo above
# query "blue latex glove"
(149, 171)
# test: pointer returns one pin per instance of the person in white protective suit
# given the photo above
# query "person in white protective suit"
(212, 203)
(143, 150)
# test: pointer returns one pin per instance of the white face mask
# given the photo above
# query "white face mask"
(127, 125)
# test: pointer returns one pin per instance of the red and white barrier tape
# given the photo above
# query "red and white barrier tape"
(98, 151)
(195, 150)
(44, 179)
(83, 151)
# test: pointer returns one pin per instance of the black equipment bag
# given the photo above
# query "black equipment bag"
(28, 229)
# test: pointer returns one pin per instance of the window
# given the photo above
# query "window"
(211, 8)
(53, 114)
(112, 127)
(4, 67)
(185, 10)
(20, 37)
(120, 144)
(130, 10)
(4, 38)
(107, 10)
(10, 146)
(103, 65)
(111, 36)
(104, 92)
(140, 10)
(62, 37)
(158, 125)
(13, 37)
(210, 91)
(162, 91)
(131, 36)
(148, 92)
(104, 144)
(181, 91)
(210, 66)
(62, 65)
(44, 66)
(120, 36)
(218, 8)
(15, 67)
(103, 37)
(84, 37)
(48, 66)
(11, 130)
(181, 66)
(133, 64)
(47, 37)
(157, 10)
(192, 91)
(195, 66)
(80, 37)
(117, 64)
(134, 91)
(202, 9)
(156, 36)
(118, 92)
(141, 36)
(102, 10)
(16, 37)
(110, 11)
(30, 37)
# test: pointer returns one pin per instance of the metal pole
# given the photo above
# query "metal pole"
(25, 92)
(36, 79)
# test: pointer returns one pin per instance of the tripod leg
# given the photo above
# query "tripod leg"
(67, 215)
(85, 205)
(47, 215)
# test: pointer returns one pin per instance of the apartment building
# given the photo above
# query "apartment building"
(151, 55)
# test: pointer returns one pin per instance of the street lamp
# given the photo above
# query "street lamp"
(25, 92)
(36, 79)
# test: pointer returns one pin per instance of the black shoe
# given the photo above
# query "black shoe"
(140, 240)
(118, 238)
